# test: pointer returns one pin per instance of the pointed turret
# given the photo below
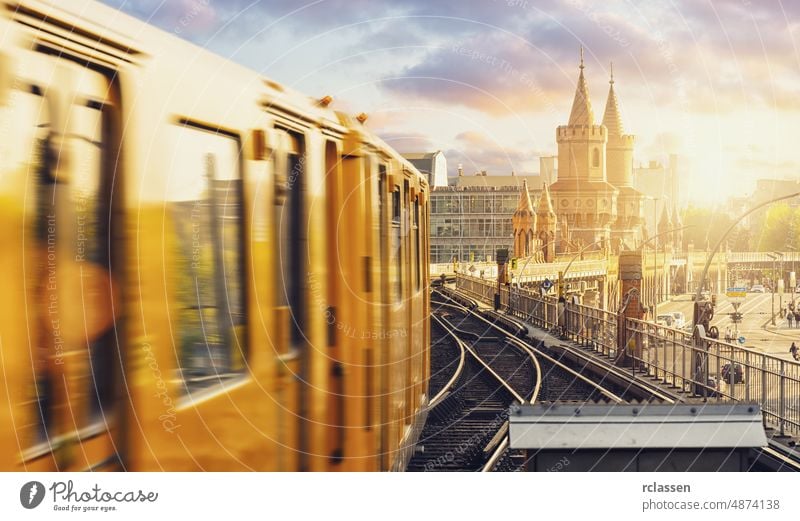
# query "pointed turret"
(677, 235)
(611, 118)
(581, 113)
(664, 223)
(546, 229)
(545, 207)
(524, 222)
(525, 204)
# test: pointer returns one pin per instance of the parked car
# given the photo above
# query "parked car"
(712, 387)
(758, 288)
(679, 320)
(665, 320)
(738, 373)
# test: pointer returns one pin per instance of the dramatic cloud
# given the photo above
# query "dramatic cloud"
(487, 81)
(477, 151)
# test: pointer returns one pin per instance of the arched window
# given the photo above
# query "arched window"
(595, 158)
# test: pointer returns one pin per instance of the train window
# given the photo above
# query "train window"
(205, 205)
(26, 127)
(68, 252)
(417, 245)
(291, 243)
(396, 269)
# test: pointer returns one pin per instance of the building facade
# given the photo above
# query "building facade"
(473, 218)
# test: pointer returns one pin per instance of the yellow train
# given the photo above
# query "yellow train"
(200, 269)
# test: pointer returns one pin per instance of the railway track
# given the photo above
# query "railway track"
(469, 413)
(774, 457)
(467, 425)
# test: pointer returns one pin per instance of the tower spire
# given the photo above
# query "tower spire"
(525, 203)
(545, 206)
(612, 118)
(581, 113)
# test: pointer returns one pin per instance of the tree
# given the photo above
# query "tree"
(779, 231)
(704, 226)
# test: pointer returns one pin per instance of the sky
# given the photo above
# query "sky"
(488, 81)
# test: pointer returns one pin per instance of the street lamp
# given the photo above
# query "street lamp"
(655, 254)
(655, 250)
(774, 257)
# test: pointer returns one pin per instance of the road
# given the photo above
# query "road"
(756, 324)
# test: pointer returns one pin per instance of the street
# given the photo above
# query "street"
(756, 326)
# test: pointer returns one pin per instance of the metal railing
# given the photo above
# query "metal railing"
(714, 369)
(759, 256)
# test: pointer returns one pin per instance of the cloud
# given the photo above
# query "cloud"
(407, 142)
(476, 151)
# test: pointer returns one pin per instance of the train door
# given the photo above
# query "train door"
(69, 414)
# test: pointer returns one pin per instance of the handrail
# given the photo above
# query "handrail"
(668, 354)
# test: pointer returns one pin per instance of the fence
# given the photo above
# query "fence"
(714, 369)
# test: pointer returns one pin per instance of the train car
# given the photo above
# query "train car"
(201, 268)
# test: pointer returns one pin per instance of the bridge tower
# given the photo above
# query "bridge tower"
(627, 229)
(524, 222)
(586, 203)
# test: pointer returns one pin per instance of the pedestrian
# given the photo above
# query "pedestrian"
(790, 317)
(796, 318)
(794, 351)
(728, 335)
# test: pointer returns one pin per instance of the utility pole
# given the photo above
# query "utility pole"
(774, 284)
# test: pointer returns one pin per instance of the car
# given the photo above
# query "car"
(738, 373)
(712, 387)
(679, 320)
(665, 320)
(758, 288)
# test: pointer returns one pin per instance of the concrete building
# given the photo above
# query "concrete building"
(472, 218)
(431, 164)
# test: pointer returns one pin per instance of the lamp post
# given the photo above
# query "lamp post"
(655, 254)
(655, 250)
(774, 284)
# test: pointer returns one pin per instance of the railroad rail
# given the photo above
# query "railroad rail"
(452, 440)
(583, 358)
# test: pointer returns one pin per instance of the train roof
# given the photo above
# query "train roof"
(104, 28)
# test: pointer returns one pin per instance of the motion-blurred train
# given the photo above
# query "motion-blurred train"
(200, 269)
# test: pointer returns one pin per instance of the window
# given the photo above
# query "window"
(205, 203)
(396, 269)
(595, 157)
(27, 127)
(66, 175)
(417, 244)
